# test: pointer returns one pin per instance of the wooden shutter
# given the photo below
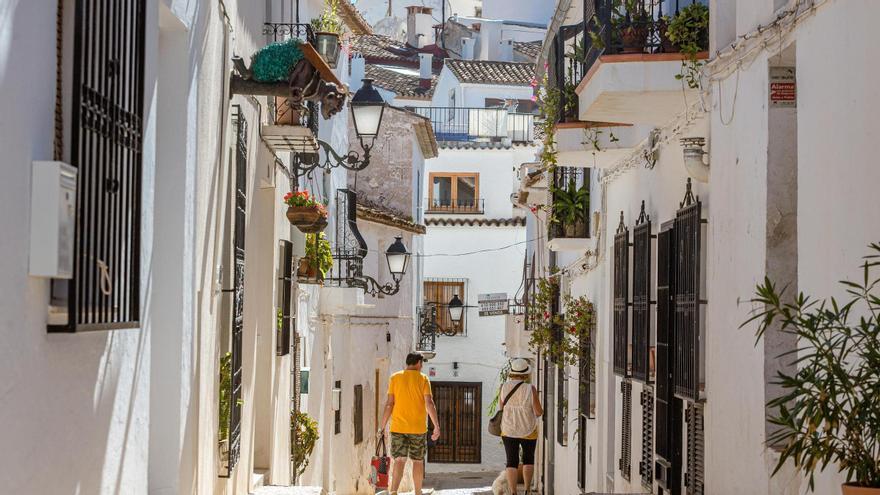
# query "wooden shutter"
(358, 414)
(621, 299)
(106, 149)
(687, 298)
(440, 292)
(284, 319)
(641, 299)
(646, 465)
(625, 462)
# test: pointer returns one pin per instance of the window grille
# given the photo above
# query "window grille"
(439, 291)
(587, 374)
(284, 319)
(582, 452)
(358, 414)
(561, 405)
(625, 462)
(688, 378)
(646, 465)
(694, 477)
(106, 149)
(571, 181)
(337, 414)
(642, 344)
(234, 395)
(668, 419)
(621, 299)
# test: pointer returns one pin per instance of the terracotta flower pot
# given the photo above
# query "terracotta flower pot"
(851, 489)
(303, 216)
(319, 225)
(634, 39)
(307, 273)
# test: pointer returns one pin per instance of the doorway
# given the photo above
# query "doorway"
(459, 408)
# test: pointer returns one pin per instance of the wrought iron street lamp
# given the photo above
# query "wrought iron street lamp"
(367, 109)
(398, 257)
(456, 310)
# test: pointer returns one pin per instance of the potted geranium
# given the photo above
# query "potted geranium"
(830, 409)
(328, 27)
(313, 267)
(305, 212)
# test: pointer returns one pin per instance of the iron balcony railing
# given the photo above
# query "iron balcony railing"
(428, 328)
(465, 124)
(456, 206)
(281, 112)
(608, 28)
(571, 203)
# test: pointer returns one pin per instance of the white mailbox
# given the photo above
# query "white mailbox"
(53, 219)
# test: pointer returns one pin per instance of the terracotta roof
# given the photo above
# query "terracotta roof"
(489, 72)
(529, 49)
(477, 222)
(381, 48)
(403, 85)
(371, 212)
(352, 18)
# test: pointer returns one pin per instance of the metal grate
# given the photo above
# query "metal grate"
(358, 414)
(459, 408)
(687, 297)
(668, 407)
(561, 405)
(641, 300)
(427, 328)
(587, 374)
(694, 477)
(625, 462)
(350, 247)
(646, 465)
(107, 141)
(621, 299)
(574, 223)
(284, 319)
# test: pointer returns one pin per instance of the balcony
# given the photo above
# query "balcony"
(479, 125)
(570, 219)
(455, 206)
(629, 65)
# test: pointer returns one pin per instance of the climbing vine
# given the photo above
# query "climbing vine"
(559, 335)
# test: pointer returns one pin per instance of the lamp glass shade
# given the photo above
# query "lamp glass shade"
(367, 117)
(456, 309)
(398, 258)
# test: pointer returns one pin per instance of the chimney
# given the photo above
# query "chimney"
(426, 69)
(357, 73)
(490, 40)
(419, 26)
(467, 48)
(505, 51)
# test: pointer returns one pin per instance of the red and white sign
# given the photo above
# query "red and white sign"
(783, 87)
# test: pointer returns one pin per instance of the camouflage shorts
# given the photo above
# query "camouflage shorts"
(410, 445)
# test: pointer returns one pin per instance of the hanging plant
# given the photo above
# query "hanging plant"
(305, 212)
(313, 267)
(559, 336)
(689, 31)
(304, 430)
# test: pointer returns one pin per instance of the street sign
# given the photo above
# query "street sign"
(493, 304)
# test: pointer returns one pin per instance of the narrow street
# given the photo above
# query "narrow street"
(437, 484)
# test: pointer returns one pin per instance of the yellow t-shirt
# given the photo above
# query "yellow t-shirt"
(409, 388)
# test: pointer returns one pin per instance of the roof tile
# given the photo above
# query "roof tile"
(490, 72)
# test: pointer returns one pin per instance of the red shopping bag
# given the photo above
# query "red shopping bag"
(381, 465)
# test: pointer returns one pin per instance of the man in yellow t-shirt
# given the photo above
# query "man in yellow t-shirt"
(409, 404)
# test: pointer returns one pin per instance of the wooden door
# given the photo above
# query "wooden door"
(459, 408)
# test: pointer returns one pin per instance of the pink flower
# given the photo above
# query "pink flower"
(534, 97)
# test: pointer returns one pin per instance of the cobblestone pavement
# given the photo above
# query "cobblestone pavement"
(461, 483)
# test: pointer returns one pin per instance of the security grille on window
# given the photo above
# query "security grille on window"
(358, 414)
(106, 148)
(621, 299)
(284, 318)
(642, 343)
(646, 465)
(625, 462)
(439, 291)
(688, 242)
(694, 477)
(561, 405)
(587, 375)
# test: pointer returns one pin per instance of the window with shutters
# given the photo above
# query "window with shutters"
(625, 461)
(284, 293)
(106, 149)
(561, 405)
(358, 414)
(642, 340)
(440, 291)
(694, 476)
(337, 414)
(646, 464)
(688, 328)
(621, 300)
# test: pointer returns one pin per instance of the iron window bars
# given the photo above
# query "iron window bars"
(234, 395)
(574, 223)
(561, 405)
(476, 206)
(646, 465)
(284, 319)
(621, 300)
(625, 461)
(428, 328)
(668, 420)
(641, 300)
(688, 328)
(107, 141)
